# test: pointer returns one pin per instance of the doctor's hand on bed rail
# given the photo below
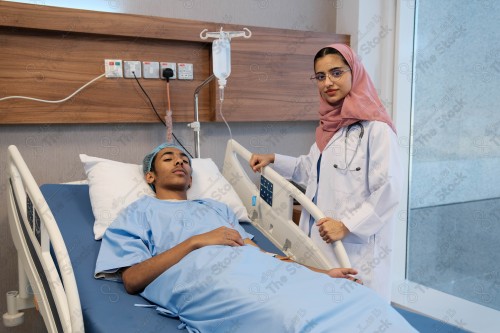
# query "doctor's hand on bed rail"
(331, 230)
(258, 161)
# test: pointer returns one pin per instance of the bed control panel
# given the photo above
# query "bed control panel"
(29, 206)
(34, 219)
(266, 190)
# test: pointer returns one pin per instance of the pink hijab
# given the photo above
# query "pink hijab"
(361, 103)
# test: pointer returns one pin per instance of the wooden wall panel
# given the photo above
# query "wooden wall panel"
(49, 52)
(272, 81)
(48, 65)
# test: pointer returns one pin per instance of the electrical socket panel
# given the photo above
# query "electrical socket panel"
(184, 71)
(113, 68)
(116, 68)
(151, 69)
(131, 67)
(172, 66)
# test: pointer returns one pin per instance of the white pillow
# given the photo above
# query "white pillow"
(208, 182)
(114, 185)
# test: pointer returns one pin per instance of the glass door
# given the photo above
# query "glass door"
(453, 207)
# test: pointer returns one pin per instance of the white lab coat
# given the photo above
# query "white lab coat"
(365, 201)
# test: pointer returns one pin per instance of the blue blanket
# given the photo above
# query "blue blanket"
(236, 289)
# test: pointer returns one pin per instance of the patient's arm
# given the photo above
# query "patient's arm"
(345, 273)
(248, 241)
(139, 276)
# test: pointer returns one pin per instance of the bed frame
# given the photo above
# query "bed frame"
(34, 231)
(38, 240)
(270, 209)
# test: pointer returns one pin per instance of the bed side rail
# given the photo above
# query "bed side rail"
(272, 213)
(34, 231)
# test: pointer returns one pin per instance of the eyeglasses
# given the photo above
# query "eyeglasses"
(333, 75)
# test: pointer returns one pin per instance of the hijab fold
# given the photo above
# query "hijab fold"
(361, 103)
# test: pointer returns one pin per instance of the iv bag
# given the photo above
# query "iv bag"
(221, 57)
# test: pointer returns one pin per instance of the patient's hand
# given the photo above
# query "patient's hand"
(332, 230)
(258, 161)
(219, 236)
(345, 273)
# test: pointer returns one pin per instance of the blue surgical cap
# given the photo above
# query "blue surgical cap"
(148, 159)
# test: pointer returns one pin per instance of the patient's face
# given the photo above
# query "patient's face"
(172, 169)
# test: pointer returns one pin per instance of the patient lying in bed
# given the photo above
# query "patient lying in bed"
(194, 260)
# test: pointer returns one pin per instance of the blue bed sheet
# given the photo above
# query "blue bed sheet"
(106, 306)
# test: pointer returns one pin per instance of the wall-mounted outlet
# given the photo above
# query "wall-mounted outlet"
(172, 66)
(185, 71)
(151, 69)
(113, 67)
(130, 68)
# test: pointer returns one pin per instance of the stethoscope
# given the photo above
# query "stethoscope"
(361, 133)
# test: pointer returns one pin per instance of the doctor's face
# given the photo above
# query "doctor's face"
(171, 170)
(336, 75)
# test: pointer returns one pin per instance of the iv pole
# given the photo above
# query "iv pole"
(196, 124)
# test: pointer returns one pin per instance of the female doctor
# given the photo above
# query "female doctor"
(352, 171)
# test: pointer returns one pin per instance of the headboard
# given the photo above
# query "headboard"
(49, 52)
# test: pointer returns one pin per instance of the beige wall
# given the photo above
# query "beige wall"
(51, 151)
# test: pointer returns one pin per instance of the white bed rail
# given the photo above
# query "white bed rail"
(34, 231)
(276, 221)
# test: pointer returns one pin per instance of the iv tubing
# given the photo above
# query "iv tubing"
(221, 92)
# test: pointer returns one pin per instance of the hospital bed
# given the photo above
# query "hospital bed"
(51, 227)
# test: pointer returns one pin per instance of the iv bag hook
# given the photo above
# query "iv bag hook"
(228, 34)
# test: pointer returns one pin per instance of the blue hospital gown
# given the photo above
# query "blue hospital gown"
(236, 289)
